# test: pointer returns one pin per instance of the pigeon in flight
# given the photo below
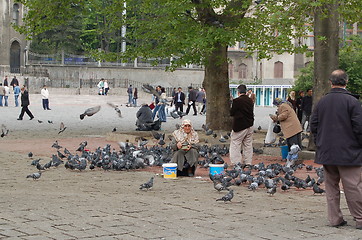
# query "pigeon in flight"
(147, 185)
(62, 128)
(227, 197)
(90, 112)
(115, 108)
(149, 89)
(34, 176)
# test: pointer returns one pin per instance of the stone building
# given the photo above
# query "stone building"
(12, 43)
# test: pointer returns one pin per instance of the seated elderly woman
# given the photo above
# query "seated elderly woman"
(289, 122)
(186, 149)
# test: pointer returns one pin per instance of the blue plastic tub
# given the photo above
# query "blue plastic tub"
(284, 150)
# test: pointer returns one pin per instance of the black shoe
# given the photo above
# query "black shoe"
(19, 119)
(195, 114)
(31, 118)
(48, 109)
(359, 227)
(343, 223)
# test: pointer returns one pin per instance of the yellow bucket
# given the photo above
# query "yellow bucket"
(169, 170)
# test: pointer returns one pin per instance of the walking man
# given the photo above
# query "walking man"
(192, 101)
(242, 111)
(130, 94)
(25, 102)
(16, 95)
(336, 124)
(2, 94)
(179, 100)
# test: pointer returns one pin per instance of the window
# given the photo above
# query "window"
(278, 69)
(231, 70)
(242, 71)
(16, 14)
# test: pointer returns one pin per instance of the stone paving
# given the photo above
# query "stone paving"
(99, 204)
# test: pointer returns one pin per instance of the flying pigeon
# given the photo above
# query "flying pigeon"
(90, 112)
(62, 128)
(149, 89)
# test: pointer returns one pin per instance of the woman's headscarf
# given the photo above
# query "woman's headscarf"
(278, 101)
(181, 136)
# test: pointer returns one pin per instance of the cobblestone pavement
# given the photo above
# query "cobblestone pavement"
(99, 204)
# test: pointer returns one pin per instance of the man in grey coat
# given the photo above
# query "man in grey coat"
(144, 118)
(336, 124)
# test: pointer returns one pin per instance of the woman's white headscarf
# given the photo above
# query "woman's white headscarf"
(181, 136)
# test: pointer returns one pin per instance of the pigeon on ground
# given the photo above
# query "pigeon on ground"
(219, 187)
(39, 121)
(147, 185)
(114, 129)
(82, 146)
(317, 189)
(4, 130)
(62, 128)
(56, 145)
(227, 197)
(49, 121)
(61, 155)
(30, 154)
(34, 176)
(272, 190)
(90, 112)
(35, 162)
(156, 135)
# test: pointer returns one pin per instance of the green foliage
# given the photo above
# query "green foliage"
(350, 59)
(306, 79)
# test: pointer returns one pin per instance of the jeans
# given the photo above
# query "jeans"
(6, 100)
(16, 96)
(134, 101)
(155, 110)
(1, 100)
(46, 104)
(129, 98)
(162, 113)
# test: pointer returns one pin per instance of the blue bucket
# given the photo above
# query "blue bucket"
(284, 151)
(216, 169)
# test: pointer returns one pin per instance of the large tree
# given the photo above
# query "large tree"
(193, 32)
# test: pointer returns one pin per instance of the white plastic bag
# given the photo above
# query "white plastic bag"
(270, 135)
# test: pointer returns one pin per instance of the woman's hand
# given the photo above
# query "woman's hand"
(273, 117)
(179, 145)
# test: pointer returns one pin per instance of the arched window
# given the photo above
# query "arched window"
(278, 69)
(242, 71)
(16, 14)
(15, 57)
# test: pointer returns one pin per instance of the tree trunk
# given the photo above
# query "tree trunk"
(326, 49)
(216, 84)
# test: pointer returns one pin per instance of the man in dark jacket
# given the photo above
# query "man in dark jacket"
(242, 111)
(25, 102)
(179, 100)
(144, 118)
(336, 123)
(192, 100)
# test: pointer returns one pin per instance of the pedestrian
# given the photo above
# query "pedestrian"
(174, 92)
(106, 87)
(2, 94)
(299, 105)
(16, 95)
(130, 92)
(6, 96)
(251, 95)
(25, 102)
(191, 100)
(307, 109)
(45, 97)
(135, 97)
(200, 95)
(144, 118)
(203, 110)
(185, 146)
(291, 98)
(156, 101)
(242, 112)
(100, 86)
(6, 81)
(336, 124)
(14, 82)
(289, 122)
(162, 103)
(179, 100)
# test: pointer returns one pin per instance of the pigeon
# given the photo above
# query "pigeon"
(147, 185)
(219, 187)
(82, 146)
(39, 167)
(114, 129)
(61, 155)
(227, 197)
(66, 151)
(149, 89)
(317, 189)
(49, 121)
(30, 154)
(35, 162)
(174, 114)
(34, 176)
(259, 128)
(156, 135)
(90, 112)
(56, 145)
(253, 186)
(62, 128)
(272, 190)
(4, 130)
(39, 121)
(115, 108)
